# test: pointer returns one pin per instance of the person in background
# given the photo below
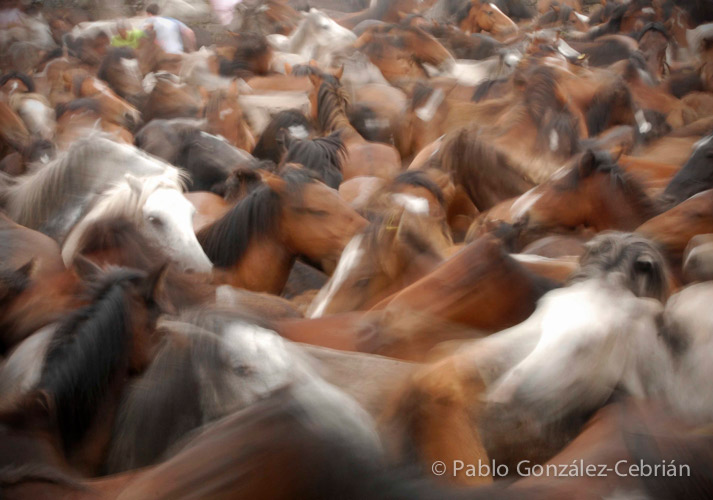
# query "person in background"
(170, 33)
(127, 37)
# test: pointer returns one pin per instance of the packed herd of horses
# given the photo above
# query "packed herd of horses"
(425, 249)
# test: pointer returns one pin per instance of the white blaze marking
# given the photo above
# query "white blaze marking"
(427, 111)
(566, 50)
(582, 17)
(350, 258)
(554, 140)
(414, 204)
(224, 113)
(524, 203)
(298, 131)
(644, 126)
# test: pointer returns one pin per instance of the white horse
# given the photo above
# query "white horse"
(317, 37)
(158, 208)
(53, 197)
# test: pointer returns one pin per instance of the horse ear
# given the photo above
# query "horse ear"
(274, 182)
(338, 74)
(155, 282)
(85, 268)
(134, 183)
(27, 268)
(316, 80)
(313, 63)
(587, 164)
(288, 68)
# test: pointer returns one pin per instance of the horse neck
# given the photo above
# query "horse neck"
(340, 122)
(251, 271)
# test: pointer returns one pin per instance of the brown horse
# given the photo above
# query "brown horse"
(674, 228)
(120, 70)
(394, 251)
(486, 16)
(289, 215)
(329, 103)
(593, 192)
(77, 393)
(480, 286)
(76, 118)
(170, 98)
(225, 118)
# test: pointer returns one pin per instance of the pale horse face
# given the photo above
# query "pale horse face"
(168, 222)
(327, 33)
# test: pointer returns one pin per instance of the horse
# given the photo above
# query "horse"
(280, 219)
(674, 228)
(113, 108)
(316, 36)
(156, 205)
(606, 198)
(329, 106)
(120, 70)
(75, 396)
(169, 98)
(225, 118)
(394, 251)
(506, 292)
(486, 16)
(52, 198)
(251, 57)
(80, 117)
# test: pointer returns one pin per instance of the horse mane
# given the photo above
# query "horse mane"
(323, 155)
(267, 147)
(653, 26)
(87, 350)
(604, 104)
(419, 178)
(332, 103)
(120, 200)
(112, 57)
(86, 103)
(255, 216)
(550, 112)
(18, 75)
(36, 196)
(612, 26)
(480, 167)
(483, 88)
(147, 424)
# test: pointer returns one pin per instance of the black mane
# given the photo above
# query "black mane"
(267, 147)
(18, 75)
(257, 215)
(323, 155)
(419, 179)
(113, 56)
(87, 351)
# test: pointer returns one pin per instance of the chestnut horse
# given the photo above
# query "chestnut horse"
(289, 215)
(225, 118)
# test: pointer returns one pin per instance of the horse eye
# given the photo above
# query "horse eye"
(154, 220)
(643, 266)
(361, 283)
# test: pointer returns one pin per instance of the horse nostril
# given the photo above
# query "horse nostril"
(190, 270)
